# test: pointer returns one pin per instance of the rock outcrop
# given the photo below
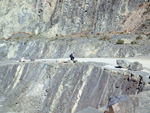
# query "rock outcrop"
(121, 104)
(69, 17)
(123, 63)
(133, 66)
(144, 101)
(62, 47)
(41, 29)
(63, 88)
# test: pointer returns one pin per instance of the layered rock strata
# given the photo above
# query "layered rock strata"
(62, 47)
(69, 17)
(63, 88)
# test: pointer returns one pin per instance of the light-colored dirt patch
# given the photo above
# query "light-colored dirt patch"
(136, 19)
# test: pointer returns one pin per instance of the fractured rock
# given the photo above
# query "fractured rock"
(117, 99)
(124, 107)
(123, 63)
(144, 102)
(46, 15)
(135, 66)
(77, 86)
(120, 104)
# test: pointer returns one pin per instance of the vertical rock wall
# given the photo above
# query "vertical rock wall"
(63, 17)
(62, 88)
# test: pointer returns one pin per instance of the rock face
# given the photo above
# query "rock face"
(121, 104)
(135, 66)
(62, 88)
(62, 47)
(34, 29)
(68, 17)
(144, 101)
(123, 63)
(124, 107)
(117, 99)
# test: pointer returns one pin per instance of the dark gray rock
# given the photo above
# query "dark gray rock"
(117, 99)
(52, 17)
(125, 106)
(135, 66)
(60, 87)
(62, 47)
(123, 63)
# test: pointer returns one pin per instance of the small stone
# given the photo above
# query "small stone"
(22, 59)
(32, 59)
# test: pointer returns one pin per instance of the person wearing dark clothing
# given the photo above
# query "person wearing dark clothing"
(72, 56)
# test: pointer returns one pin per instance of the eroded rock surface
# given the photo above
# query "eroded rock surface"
(62, 47)
(135, 66)
(63, 88)
(144, 102)
(123, 63)
(36, 29)
(69, 17)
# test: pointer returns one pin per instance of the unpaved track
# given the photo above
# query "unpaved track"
(111, 62)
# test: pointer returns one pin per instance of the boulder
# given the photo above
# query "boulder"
(120, 104)
(123, 63)
(117, 99)
(124, 107)
(135, 66)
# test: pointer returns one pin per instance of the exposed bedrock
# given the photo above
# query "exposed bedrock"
(133, 66)
(62, 47)
(67, 17)
(63, 88)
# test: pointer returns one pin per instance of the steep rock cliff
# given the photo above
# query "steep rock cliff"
(68, 17)
(83, 47)
(63, 88)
